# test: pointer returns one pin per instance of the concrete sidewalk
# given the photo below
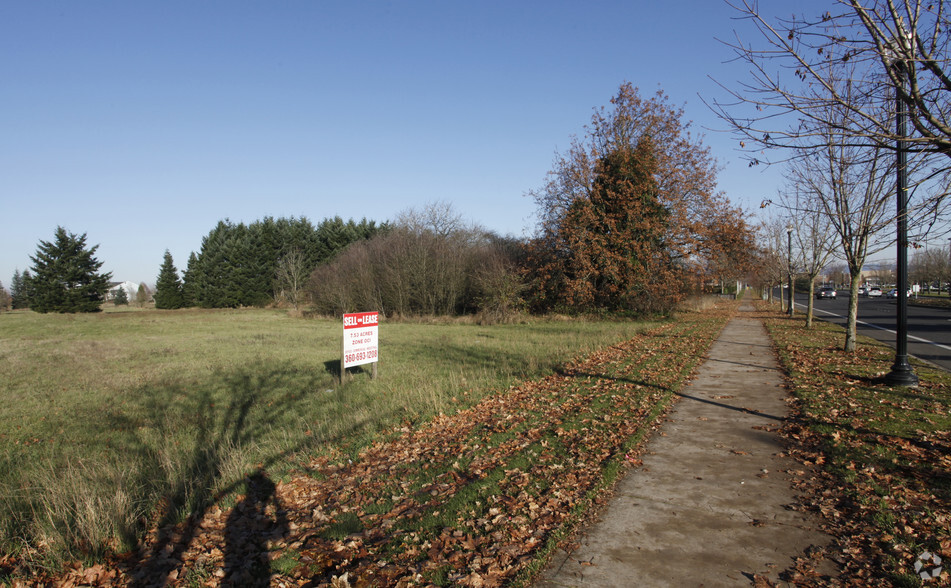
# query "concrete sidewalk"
(708, 506)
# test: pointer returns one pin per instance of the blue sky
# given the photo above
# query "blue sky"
(142, 124)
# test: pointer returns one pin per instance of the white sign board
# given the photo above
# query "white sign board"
(361, 335)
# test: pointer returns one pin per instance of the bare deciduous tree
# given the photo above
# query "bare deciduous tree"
(930, 266)
(813, 236)
(5, 298)
(833, 79)
(849, 186)
(774, 265)
(429, 263)
(857, 40)
(142, 295)
(291, 277)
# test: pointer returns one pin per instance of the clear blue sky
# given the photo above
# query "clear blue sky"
(144, 123)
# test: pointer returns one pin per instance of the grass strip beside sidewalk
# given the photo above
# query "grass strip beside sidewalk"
(879, 457)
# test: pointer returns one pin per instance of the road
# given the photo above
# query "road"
(929, 329)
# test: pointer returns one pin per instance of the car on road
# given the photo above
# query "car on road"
(826, 292)
(874, 291)
(893, 293)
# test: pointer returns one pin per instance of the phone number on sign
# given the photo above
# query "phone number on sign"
(360, 356)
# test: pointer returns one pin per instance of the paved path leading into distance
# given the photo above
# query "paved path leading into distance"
(709, 505)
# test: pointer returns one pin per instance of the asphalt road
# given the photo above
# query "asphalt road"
(929, 329)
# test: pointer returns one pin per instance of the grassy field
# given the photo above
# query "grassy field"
(113, 422)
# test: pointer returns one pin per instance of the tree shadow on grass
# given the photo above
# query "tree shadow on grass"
(254, 398)
(679, 393)
(332, 367)
(154, 460)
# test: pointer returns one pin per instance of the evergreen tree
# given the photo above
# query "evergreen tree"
(168, 287)
(191, 281)
(617, 259)
(19, 289)
(220, 260)
(66, 275)
(121, 298)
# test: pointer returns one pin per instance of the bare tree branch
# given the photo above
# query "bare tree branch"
(861, 41)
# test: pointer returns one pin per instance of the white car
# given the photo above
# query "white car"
(874, 291)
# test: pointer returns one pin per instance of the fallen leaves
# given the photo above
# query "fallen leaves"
(883, 478)
(467, 499)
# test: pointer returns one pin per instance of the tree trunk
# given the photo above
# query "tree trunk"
(809, 305)
(850, 330)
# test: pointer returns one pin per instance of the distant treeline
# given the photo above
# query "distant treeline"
(630, 221)
(426, 262)
(238, 264)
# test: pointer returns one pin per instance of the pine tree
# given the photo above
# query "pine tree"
(19, 289)
(191, 280)
(66, 275)
(121, 298)
(168, 287)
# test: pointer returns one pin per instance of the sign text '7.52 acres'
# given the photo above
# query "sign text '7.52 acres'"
(361, 335)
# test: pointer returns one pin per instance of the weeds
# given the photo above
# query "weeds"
(116, 422)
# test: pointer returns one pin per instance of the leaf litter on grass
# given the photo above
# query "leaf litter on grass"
(878, 459)
(471, 498)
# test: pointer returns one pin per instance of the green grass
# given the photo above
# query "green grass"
(885, 449)
(115, 421)
(509, 479)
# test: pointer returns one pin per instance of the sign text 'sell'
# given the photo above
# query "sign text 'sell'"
(360, 339)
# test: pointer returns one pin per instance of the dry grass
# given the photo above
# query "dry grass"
(117, 420)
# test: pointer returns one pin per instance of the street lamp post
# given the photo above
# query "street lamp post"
(902, 373)
(789, 230)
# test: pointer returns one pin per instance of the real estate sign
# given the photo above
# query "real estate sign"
(360, 338)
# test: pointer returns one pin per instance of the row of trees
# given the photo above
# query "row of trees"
(238, 265)
(630, 221)
(430, 262)
(251, 265)
(835, 124)
(929, 267)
